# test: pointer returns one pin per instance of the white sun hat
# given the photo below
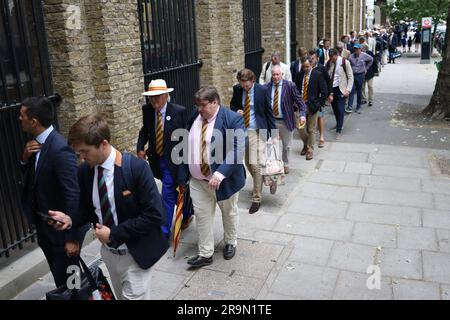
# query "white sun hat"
(156, 88)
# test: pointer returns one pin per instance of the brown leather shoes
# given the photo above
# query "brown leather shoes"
(186, 223)
(304, 150)
(254, 207)
(309, 154)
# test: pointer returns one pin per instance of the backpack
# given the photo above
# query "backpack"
(345, 67)
(127, 172)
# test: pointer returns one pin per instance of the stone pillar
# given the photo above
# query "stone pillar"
(273, 28)
(320, 19)
(220, 44)
(70, 52)
(340, 18)
(307, 23)
(344, 24)
(358, 16)
(350, 14)
(329, 18)
(97, 63)
(337, 21)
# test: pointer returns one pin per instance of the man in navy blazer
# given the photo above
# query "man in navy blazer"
(215, 170)
(127, 213)
(252, 101)
(51, 183)
(160, 145)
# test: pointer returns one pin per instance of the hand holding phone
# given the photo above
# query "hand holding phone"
(47, 218)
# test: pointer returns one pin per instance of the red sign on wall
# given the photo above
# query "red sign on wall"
(426, 23)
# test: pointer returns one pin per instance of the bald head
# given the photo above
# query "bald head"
(277, 74)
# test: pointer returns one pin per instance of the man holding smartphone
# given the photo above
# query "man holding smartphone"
(51, 183)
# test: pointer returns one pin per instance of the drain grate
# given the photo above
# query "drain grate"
(440, 165)
(444, 165)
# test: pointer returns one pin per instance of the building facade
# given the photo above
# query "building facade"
(99, 56)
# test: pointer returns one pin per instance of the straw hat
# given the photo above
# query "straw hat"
(156, 88)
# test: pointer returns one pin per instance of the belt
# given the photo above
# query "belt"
(279, 118)
(120, 252)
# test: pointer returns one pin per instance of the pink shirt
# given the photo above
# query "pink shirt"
(195, 137)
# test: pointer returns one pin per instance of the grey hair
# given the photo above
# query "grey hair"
(276, 54)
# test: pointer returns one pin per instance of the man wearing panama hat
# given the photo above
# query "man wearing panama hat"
(161, 118)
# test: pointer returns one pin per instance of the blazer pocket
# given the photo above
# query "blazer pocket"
(126, 193)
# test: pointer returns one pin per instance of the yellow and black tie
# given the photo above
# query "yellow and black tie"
(247, 110)
(276, 112)
(204, 166)
(159, 135)
(305, 87)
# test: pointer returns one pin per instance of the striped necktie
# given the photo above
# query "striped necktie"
(105, 206)
(204, 166)
(159, 135)
(305, 86)
(247, 110)
(276, 112)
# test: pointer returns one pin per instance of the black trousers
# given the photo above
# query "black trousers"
(52, 244)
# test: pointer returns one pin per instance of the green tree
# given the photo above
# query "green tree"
(439, 106)
(415, 10)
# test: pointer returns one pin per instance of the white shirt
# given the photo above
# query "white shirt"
(108, 173)
(337, 76)
(41, 139)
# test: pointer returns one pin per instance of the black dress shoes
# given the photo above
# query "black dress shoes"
(229, 251)
(199, 261)
(254, 207)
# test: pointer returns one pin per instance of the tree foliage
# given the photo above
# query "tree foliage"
(415, 10)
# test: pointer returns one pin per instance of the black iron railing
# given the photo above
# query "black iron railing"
(252, 35)
(24, 72)
(169, 46)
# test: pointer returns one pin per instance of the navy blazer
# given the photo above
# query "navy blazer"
(231, 165)
(140, 212)
(317, 88)
(176, 118)
(55, 187)
(295, 68)
(263, 108)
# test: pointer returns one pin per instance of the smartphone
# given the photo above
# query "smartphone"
(47, 217)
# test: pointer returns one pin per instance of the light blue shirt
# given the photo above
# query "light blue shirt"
(253, 125)
(163, 116)
(41, 138)
(280, 87)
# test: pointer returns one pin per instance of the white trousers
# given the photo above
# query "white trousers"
(204, 201)
(130, 282)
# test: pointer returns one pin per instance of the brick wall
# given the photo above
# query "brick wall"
(273, 28)
(220, 37)
(97, 64)
(307, 23)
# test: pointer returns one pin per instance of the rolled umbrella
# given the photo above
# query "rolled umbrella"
(178, 218)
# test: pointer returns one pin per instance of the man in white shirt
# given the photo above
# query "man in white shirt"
(266, 73)
(118, 194)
